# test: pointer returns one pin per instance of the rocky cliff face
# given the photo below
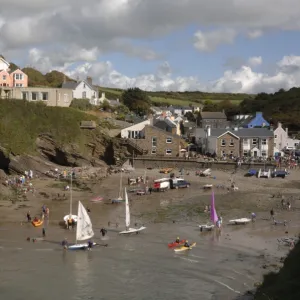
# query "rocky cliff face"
(98, 152)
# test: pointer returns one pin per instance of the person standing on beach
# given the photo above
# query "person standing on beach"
(44, 232)
(28, 216)
(272, 214)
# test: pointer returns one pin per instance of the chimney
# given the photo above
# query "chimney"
(102, 96)
(151, 119)
(89, 80)
(65, 79)
(279, 125)
(287, 131)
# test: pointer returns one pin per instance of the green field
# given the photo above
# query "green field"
(182, 98)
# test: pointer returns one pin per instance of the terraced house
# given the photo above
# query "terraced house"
(252, 142)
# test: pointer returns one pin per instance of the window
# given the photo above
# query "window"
(83, 95)
(169, 140)
(18, 76)
(263, 153)
(153, 151)
(154, 141)
(223, 153)
(296, 144)
(254, 141)
(66, 98)
(231, 152)
(84, 86)
(264, 141)
(24, 95)
(18, 84)
(223, 143)
(34, 96)
(4, 77)
(275, 136)
(231, 142)
(44, 96)
(245, 153)
(168, 151)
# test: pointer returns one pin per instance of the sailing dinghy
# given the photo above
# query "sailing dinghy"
(120, 199)
(127, 219)
(84, 230)
(213, 216)
(70, 215)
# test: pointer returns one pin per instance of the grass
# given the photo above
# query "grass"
(21, 123)
(182, 98)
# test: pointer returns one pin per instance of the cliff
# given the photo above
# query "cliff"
(32, 135)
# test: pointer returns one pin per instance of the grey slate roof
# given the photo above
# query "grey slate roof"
(241, 133)
(70, 85)
(73, 85)
(213, 115)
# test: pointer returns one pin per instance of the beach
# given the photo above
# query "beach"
(251, 250)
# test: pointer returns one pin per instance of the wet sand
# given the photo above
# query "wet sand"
(251, 249)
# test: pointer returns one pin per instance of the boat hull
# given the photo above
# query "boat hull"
(181, 249)
(132, 230)
(37, 223)
(206, 227)
(242, 221)
(74, 217)
(82, 246)
(174, 244)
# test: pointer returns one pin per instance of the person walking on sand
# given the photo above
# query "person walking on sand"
(44, 232)
(272, 214)
(28, 216)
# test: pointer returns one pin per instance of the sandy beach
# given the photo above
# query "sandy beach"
(174, 212)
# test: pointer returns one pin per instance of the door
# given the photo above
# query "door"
(255, 153)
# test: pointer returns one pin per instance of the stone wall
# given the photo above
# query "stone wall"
(192, 164)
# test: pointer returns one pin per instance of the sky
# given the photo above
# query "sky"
(233, 46)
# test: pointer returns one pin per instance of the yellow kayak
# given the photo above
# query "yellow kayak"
(182, 248)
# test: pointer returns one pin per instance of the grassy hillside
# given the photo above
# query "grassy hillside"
(21, 122)
(181, 98)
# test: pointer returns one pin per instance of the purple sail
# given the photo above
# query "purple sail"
(213, 213)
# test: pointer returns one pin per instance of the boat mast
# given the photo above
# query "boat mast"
(71, 196)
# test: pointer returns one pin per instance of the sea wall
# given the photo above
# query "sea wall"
(193, 164)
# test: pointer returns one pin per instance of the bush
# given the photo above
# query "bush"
(82, 104)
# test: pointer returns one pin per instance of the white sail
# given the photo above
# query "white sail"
(127, 211)
(84, 225)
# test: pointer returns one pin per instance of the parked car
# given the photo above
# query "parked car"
(182, 184)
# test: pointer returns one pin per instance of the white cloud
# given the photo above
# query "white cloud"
(255, 61)
(99, 23)
(209, 41)
(241, 80)
(254, 34)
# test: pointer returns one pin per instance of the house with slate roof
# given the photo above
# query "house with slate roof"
(238, 142)
(83, 89)
(213, 119)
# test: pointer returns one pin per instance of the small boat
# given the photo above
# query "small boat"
(70, 215)
(207, 186)
(241, 221)
(84, 230)
(183, 248)
(37, 223)
(206, 227)
(129, 230)
(174, 244)
(213, 216)
(97, 200)
(120, 199)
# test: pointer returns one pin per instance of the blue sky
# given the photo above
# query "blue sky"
(219, 46)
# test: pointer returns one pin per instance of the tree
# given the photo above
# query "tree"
(190, 116)
(105, 106)
(137, 101)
